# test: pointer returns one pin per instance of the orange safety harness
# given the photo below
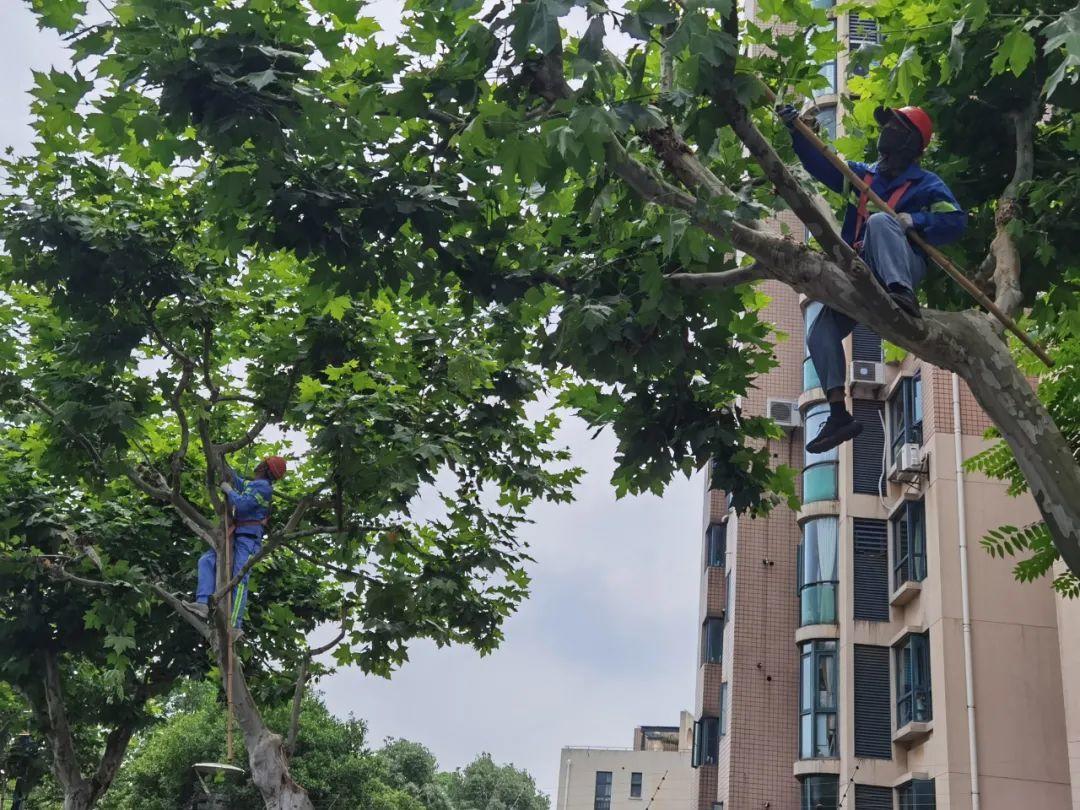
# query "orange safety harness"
(861, 214)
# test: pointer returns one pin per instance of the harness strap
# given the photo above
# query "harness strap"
(861, 214)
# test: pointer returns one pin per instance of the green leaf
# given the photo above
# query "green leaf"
(1015, 53)
(337, 306)
(63, 15)
(591, 46)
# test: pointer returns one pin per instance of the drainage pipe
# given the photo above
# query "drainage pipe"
(965, 596)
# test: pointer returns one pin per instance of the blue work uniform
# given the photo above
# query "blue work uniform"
(935, 214)
(250, 502)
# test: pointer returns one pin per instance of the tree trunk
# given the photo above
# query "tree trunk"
(79, 798)
(267, 759)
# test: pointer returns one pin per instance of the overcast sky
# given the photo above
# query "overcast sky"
(606, 642)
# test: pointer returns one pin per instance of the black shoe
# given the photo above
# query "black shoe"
(905, 299)
(835, 431)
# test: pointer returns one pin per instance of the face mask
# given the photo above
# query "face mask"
(897, 148)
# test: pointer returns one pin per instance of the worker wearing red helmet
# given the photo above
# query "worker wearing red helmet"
(923, 203)
(250, 504)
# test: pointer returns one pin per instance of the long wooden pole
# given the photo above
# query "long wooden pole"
(229, 642)
(940, 259)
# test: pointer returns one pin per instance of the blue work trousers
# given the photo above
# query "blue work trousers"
(243, 548)
(894, 261)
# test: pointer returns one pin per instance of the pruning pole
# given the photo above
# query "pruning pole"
(229, 648)
(940, 259)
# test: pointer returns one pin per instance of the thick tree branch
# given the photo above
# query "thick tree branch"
(719, 281)
(297, 704)
(785, 183)
(1004, 256)
(201, 627)
(58, 729)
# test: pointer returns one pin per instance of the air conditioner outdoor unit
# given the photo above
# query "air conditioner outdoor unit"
(785, 412)
(867, 373)
(908, 465)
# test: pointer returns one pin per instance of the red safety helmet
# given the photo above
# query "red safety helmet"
(913, 116)
(275, 465)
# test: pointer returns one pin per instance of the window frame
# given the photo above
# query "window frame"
(905, 413)
(810, 313)
(818, 586)
(815, 416)
(723, 710)
(817, 779)
(639, 785)
(602, 791)
(917, 794)
(913, 680)
(812, 654)
(712, 640)
(706, 746)
(716, 544)
(907, 526)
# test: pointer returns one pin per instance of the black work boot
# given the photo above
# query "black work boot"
(838, 428)
(905, 299)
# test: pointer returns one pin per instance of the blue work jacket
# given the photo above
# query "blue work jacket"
(935, 213)
(251, 503)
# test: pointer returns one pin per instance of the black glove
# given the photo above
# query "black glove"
(788, 114)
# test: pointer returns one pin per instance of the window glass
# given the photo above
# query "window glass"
(635, 785)
(820, 792)
(906, 415)
(712, 641)
(819, 469)
(817, 727)
(729, 597)
(909, 543)
(913, 698)
(602, 800)
(819, 571)
(918, 794)
(813, 309)
(716, 542)
(706, 742)
(723, 708)
(826, 117)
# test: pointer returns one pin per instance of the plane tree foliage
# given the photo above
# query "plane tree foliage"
(272, 213)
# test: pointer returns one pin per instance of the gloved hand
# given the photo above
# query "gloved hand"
(906, 222)
(226, 487)
(788, 114)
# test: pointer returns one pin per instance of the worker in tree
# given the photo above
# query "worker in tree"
(923, 203)
(249, 502)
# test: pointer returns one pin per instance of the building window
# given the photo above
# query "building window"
(817, 703)
(918, 794)
(706, 742)
(712, 641)
(906, 415)
(913, 699)
(716, 543)
(723, 708)
(909, 543)
(826, 118)
(729, 597)
(819, 469)
(820, 792)
(717, 806)
(862, 33)
(635, 785)
(809, 374)
(828, 69)
(818, 571)
(602, 799)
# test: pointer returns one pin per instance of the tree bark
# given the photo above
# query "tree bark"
(267, 758)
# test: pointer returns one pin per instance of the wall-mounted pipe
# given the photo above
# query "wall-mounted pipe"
(965, 595)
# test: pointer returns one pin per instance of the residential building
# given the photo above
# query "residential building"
(655, 773)
(832, 667)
